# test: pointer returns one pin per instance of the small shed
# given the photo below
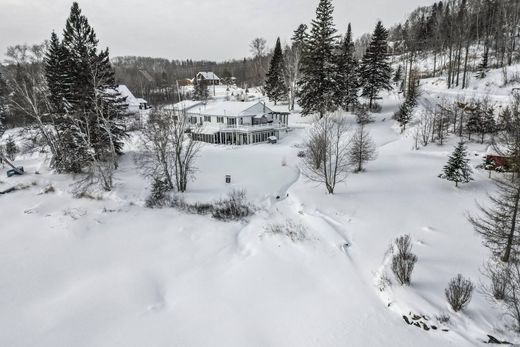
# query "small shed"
(272, 139)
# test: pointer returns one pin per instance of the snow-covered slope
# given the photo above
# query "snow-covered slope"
(108, 272)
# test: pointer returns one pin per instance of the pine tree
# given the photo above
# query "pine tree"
(405, 113)
(457, 169)
(200, 90)
(347, 81)
(90, 90)
(482, 68)
(375, 70)
(300, 36)
(275, 87)
(54, 67)
(362, 149)
(317, 85)
(398, 75)
(4, 95)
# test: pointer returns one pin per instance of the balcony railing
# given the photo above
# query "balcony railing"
(250, 127)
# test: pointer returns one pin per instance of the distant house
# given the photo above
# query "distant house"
(497, 160)
(134, 104)
(209, 77)
(234, 122)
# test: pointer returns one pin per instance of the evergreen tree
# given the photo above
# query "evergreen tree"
(200, 90)
(405, 113)
(347, 81)
(375, 70)
(275, 87)
(482, 68)
(457, 169)
(299, 36)
(398, 75)
(89, 87)
(4, 96)
(317, 84)
(54, 68)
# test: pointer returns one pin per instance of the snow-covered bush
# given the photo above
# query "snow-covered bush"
(233, 207)
(362, 115)
(290, 229)
(443, 318)
(459, 292)
(159, 196)
(403, 261)
(383, 282)
(11, 150)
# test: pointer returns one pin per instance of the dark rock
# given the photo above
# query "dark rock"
(417, 324)
(434, 327)
(425, 327)
(496, 341)
(406, 320)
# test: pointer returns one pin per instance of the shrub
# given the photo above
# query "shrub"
(294, 231)
(11, 150)
(234, 207)
(459, 292)
(443, 318)
(499, 276)
(403, 261)
(301, 154)
(158, 196)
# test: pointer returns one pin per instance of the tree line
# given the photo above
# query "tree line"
(449, 30)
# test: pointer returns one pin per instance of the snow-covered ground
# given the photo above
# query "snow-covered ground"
(108, 272)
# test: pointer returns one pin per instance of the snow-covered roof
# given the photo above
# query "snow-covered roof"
(208, 75)
(183, 105)
(131, 100)
(230, 108)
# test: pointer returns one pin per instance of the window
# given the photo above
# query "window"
(193, 120)
(207, 118)
(220, 119)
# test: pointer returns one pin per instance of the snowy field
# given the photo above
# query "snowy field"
(108, 272)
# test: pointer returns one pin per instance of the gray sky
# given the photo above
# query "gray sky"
(197, 29)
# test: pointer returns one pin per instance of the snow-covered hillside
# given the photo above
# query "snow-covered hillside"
(106, 271)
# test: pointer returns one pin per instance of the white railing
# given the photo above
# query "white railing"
(247, 127)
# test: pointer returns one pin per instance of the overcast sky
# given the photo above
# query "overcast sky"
(197, 29)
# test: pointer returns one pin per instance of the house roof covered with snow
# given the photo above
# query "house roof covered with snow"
(208, 75)
(230, 109)
(131, 100)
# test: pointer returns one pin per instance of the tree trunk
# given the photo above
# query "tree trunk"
(507, 253)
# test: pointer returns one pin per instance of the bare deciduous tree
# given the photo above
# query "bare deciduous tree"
(498, 223)
(169, 148)
(327, 157)
(362, 149)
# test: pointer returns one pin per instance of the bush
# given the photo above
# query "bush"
(459, 292)
(403, 261)
(294, 231)
(362, 115)
(301, 154)
(11, 150)
(234, 207)
(158, 196)
(499, 276)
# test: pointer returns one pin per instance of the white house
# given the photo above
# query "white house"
(134, 104)
(209, 77)
(234, 122)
